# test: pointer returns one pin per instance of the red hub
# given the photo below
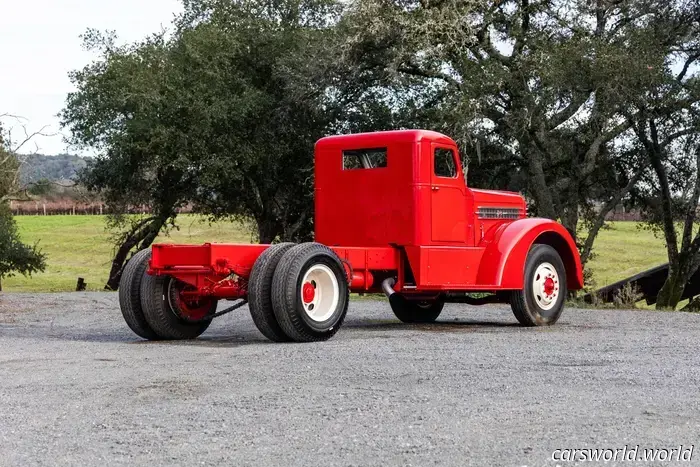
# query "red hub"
(549, 286)
(185, 301)
(308, 292)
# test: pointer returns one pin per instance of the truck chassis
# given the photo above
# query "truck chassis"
(414, 232)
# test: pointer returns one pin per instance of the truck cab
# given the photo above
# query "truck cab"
(403, 187)
(407, 189)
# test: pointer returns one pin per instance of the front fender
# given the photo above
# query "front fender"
(503, 263)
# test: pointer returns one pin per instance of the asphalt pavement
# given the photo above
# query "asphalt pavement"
(77, 388)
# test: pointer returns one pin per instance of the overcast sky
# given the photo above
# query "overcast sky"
(40, 44)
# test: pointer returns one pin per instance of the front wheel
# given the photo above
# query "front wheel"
(541, 301)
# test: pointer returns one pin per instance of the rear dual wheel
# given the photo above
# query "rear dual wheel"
(260, 292)
(310, 293)
(172, 311)
(130, 295)
(159, 307)
(298, 292)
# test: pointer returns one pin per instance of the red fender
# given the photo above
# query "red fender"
(507, 246)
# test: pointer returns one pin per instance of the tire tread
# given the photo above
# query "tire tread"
(260, 292)
(130, 295)
(519, 299)
(409, 312)
(284, 290)
(159, 315)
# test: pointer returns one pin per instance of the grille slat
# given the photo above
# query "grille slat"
(498, 213)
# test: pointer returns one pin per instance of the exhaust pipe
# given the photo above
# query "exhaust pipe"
(388, 287)
(396, 300)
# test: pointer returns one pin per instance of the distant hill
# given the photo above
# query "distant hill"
(61, 167)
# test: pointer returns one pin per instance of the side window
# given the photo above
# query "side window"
(445, 163)
(374, 158)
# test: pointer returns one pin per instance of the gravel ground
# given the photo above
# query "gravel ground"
(78, 388)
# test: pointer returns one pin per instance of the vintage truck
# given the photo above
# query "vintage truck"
(393, 214)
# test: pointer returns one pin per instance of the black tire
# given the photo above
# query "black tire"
(260, 292)
(287, 302)
(524, 302)
(167, 322)
(415, 311)
(130, 295)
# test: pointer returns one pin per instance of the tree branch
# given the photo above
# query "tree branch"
(569, 111)
(673, 136)
(607, 207)
(589, 161)
(689, 61)
(483, 36)
(415, 70)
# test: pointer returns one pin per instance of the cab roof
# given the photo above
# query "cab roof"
(382, 138)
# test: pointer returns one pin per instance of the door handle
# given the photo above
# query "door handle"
(435, 188)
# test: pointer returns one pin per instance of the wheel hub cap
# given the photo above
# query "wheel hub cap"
(319, 293)
(545, 286)
(549, 286)
(309, 292)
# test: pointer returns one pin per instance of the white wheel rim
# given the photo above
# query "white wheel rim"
(545, 286)
(322, 303)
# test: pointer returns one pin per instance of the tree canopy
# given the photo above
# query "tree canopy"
(222, 113)
(553, 98)
(15, 256)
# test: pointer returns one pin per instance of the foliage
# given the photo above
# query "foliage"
(15, 256)
(41, 187)
(535, 92)
(222, 114)
(627, 297)
(666, 124)
(256, 62)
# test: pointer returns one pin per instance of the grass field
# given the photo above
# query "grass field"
(78, 246)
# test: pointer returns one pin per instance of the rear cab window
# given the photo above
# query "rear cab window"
(372, 158)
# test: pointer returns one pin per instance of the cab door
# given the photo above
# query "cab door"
(447, 196)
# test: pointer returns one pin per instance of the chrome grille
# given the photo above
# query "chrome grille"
(498, 213)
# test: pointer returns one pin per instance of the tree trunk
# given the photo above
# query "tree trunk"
(569, 220)
(295, 231)
(672, 290)
(670, 293)
(141, 237)
(538, 186)
(268, 230)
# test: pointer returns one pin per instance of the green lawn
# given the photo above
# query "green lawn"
(624, 250)
(78, 246)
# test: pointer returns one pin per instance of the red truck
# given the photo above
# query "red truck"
(393, 214)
